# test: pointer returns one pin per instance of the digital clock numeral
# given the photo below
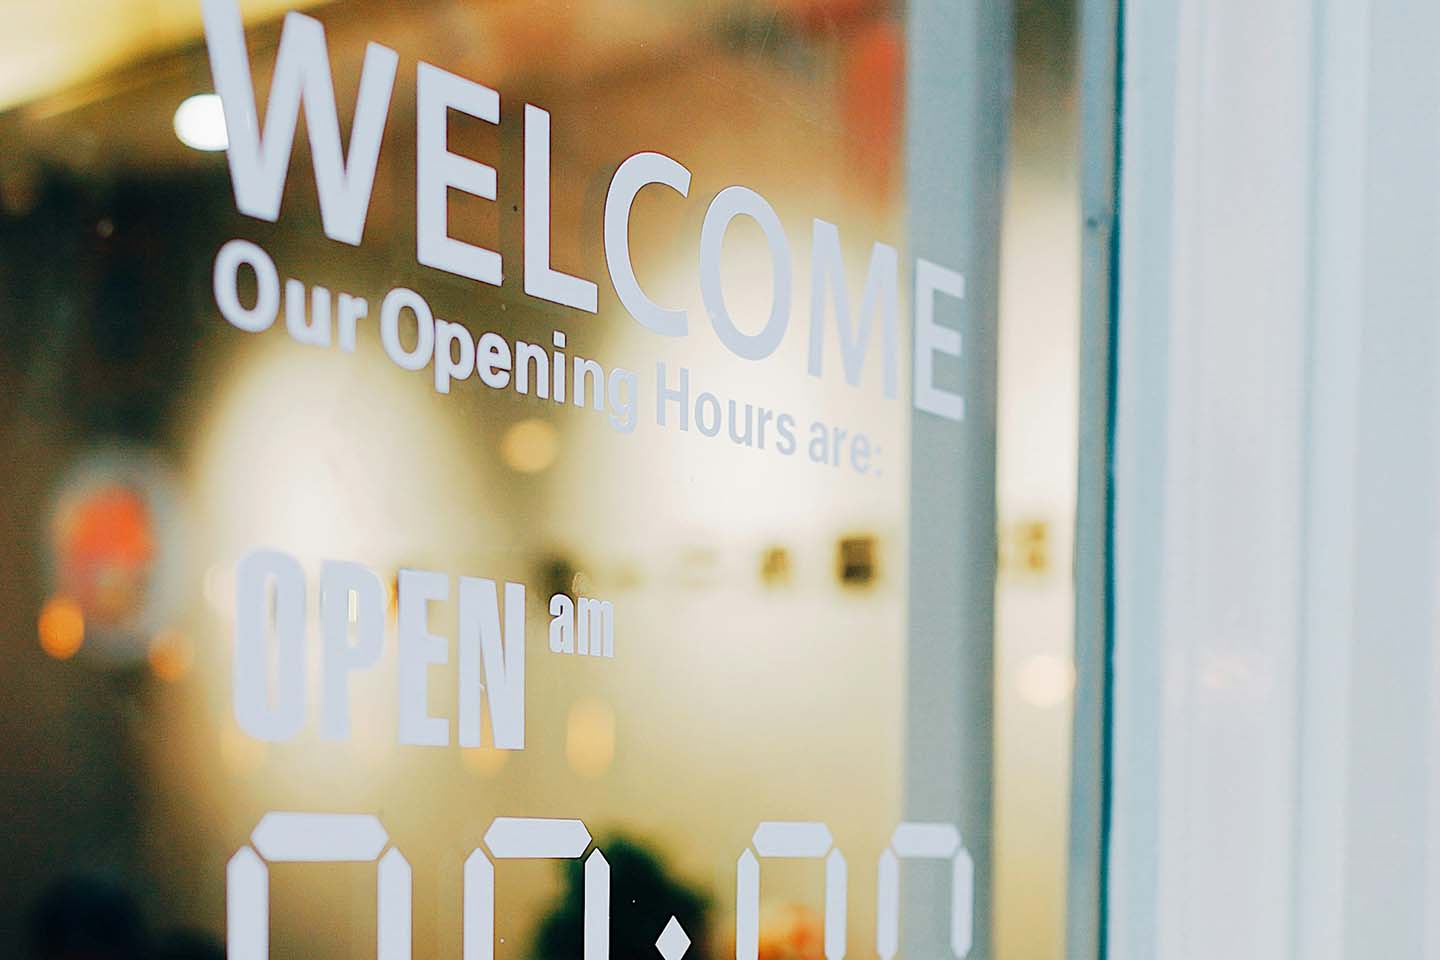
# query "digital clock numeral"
(360, 838)
(925, 841)
(528, 838)
(793, 840)
(314, 838)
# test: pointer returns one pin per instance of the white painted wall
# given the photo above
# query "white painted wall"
(1275, 473)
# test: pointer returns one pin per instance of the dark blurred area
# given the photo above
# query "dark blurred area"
(96, 917)
(643, 898)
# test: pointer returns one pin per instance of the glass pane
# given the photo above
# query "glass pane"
(447, 434)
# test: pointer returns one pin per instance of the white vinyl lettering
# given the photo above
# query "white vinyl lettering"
(314, 838)
(636, 172)
(727, 205)
(282, 837)
(540, 280)
(791, 840)
(418, 649)
(266, 579)
(341, 585)
(925, 841)
(827, 272)
(931, 338)
(437, 171)
(302, 74)
(503, 657)
(227, 289)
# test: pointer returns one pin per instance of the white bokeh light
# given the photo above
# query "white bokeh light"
(1045, 680)
(200, 123)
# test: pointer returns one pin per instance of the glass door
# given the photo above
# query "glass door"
(504, 481)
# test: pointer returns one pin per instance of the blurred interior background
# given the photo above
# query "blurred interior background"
(148, 445)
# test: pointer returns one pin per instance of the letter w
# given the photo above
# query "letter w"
(302, 72)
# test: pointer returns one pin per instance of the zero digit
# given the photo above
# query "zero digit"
(795, 839)
(313, 838)
(925, 841)
(359, 838)
(532, 838)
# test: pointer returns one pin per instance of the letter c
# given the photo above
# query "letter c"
(634, 173)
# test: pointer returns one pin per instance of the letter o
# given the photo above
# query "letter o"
(395, 301)
(259, 714)
(727, 205)
(708, 425)
(227, 293)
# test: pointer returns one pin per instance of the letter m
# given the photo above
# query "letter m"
(302, 72)
(595, 627)
(827, 270)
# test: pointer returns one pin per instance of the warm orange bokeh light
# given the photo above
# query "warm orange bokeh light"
(104, 546)
(242, 755)
(62, 627)
(530, 446)
(590, 737)
(486, 761)
(170, 655)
